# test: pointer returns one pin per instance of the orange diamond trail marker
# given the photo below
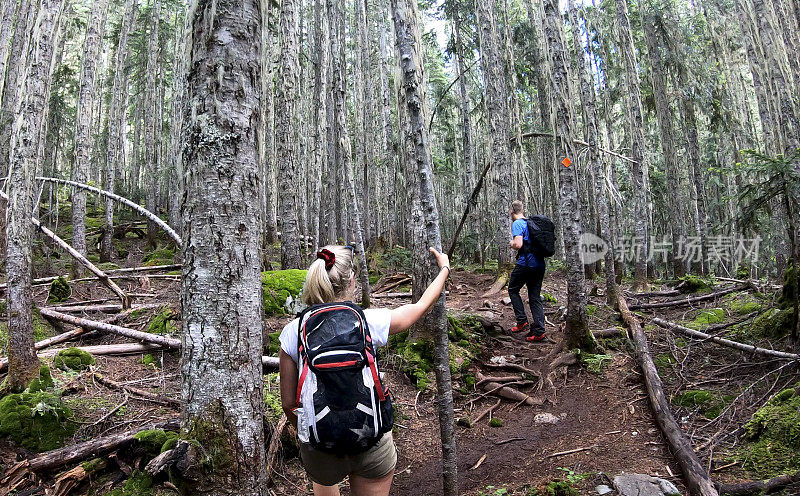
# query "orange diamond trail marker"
(567, 162)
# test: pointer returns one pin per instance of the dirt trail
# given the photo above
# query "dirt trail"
(607, 412)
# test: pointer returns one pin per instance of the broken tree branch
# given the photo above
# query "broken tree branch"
(150, 215)
(115, 329)
(689, 300)
(155, 398)
(539, 134)
(758, 487)
(697, 479)
(725, 342)
(507, 392)
(473, 200)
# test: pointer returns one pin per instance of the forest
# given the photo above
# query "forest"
(186, 185)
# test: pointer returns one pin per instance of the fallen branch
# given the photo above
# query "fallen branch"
(501, 281)
(569, 452)
(402, 279)
(150, 215)
(392, 295)
(758, 487)
(687, 301)
(155, 398)
(126, 302)
(487, 411)
(725, 342)
(70, 479)
(115, 329)
(539, 134)
(274, 444)
(607, 333)
(650, 294)
(100, 350)
(505, 378)
(697, 479)
(77, 452)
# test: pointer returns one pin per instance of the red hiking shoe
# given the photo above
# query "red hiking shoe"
(533, 338)
(520, 327)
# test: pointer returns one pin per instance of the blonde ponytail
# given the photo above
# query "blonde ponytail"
(326, 285)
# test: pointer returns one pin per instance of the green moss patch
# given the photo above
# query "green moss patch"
(37, 420)
(789, 290)
(774, 323)
(43, 382)
(104, 266)
(138, 484)
(164, 322)
(74, 359)
(708, 317)
(159, 256)
(151, 361)
(417, 358)
(41, 327)
(60, 290)
(273, 408)
(773, 435)
(154, 441)
(742, 303)
(279, 288)
(547, 297)
(708, 403)
(272, 344)
(495, 422)
(694, 284)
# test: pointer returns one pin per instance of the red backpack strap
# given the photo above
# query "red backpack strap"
(375, 377)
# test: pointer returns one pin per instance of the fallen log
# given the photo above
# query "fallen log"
(115, 329)
(651, 294)
(100, 350)
(268, 361)
(697, 479)
(507, 392)
(155, 398)
(72, 478)
(110, 308)
(687, 301)
(758, 487)
(501, 281)
(150, 215)
(725, 342)
(403, 279)
(607, 333)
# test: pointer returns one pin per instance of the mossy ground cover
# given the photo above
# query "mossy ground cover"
(159, 256)
(73, 359)
(278, 286)
(155, 441)
(60, 290)
(773, 436)
(695, 284)
(138, 484)
(164, 321)
(37, 418)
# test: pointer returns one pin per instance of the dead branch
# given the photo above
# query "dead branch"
(70, 479)
(155, 398)
(607, 333)
(690, 300)
(115, 329)
(569, 452)
(100, 350)
(650, 294)
(268, 361)
(400, 280)
(697, 479)
(725, 342)
(487, 411)
(501, 281)
(274, 444)
(539, 134)
(150, 215)
(758, 487)
(505, 378)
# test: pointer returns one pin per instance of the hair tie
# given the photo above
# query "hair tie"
(328, 256)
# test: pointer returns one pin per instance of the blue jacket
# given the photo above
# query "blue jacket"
(520, 228)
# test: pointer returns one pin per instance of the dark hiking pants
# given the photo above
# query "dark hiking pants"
(531, 277)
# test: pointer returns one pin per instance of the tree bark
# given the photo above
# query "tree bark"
(116, 120)
(425, 217)
(222, 226)
(285, 149)
(497, 118)
(83, 124)
(22, 360)
(319, 108)
(7, 11)
(152, 133)
(630, 87)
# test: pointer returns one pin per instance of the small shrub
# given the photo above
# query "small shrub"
(138, 484)
(496, 422)
(595, 362)
(706, 318)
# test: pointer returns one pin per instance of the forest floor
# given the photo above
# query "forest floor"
(598, 407)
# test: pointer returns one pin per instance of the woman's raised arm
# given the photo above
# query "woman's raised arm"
(407, 315)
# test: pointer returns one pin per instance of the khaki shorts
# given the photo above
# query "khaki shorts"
(328, 470)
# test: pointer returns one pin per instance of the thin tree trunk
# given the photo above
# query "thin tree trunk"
(664, 114)
(83, 128)
(497, 117)
(285, 149)
(152, 125)
(630, 78)
(221, 284)
(425, 218)
(319, 108)
(116, 120)
(577, 330)
(22, 360)
(7, 11)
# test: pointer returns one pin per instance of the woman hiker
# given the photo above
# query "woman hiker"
(329, 451)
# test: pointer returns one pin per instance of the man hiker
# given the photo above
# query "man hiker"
(529, 271)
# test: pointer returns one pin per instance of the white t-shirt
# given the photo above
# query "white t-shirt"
(378, 320)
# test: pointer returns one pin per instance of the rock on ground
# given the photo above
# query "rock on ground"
(644, 485)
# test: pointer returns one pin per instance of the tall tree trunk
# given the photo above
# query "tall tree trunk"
(83, 127)
(344, 152)
(285, 150)
(221, 284)
(630, 79)
(152, 130)
(178, 109)
(7, 11)
(588, 103)
(390, 149)
(577, 330)
(17, 62)
(425, 217)
(116, 121)
(271, 15)
(498, 118)
(23, 364)
(664, 114)
(320, 111)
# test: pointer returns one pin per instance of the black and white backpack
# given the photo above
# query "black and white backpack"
(342, 406)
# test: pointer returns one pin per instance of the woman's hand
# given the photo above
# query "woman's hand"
(441, 258)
